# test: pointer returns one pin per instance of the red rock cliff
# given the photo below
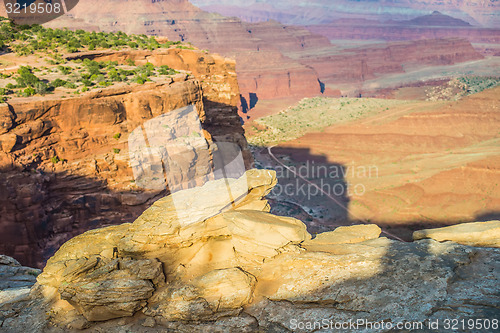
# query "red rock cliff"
(63, 168)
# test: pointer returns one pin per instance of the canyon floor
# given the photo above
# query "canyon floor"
(402, 164)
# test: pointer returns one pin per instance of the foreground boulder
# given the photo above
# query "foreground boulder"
(186, 257)
(238, 268)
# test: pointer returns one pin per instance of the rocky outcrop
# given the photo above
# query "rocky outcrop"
(14, 276)
(234, 267)
(217, 76)
(117, 288)
(486, 234)
(65, 162)
(200, 241)
(334, 241)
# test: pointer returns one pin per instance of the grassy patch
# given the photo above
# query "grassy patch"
(35, 39)
(313, 115)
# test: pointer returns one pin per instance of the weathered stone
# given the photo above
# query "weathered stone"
(327, 241)
(240, 270)
(149, 322)
(6, 118)
(14, 276)
(89, 270)
(8, 261)
(485, 234)
(103, 289)
(216, 294)
(7, 142)
(392, 282)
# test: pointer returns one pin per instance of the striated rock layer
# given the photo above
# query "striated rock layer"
(273, 60)
(236, 268)
(364, 63)
(396, 31)
(482, 13)
(65, 164)
(180, 20)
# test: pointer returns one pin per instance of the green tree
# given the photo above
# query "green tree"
(26, 77)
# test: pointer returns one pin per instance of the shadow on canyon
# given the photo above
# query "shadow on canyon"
(319, 194)
(39, 211)
(379, 280)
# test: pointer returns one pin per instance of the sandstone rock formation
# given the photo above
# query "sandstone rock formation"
(486, 234)
(65, 163)
(15, 284)
(119, 268)
(237, 268)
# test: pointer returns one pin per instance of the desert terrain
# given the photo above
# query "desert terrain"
(399, 163)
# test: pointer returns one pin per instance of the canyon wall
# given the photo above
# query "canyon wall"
(372, 30)
(368, 62)
(476, 12)
(262, 68)
(217, 77)
(65, 164)
(273, 60)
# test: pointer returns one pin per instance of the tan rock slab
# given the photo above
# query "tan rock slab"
(481, 234)
(332, 241)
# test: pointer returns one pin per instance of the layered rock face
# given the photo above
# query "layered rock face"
(65, 163)
(395, 31)
(218, 80)
(483, 13)
(364, 63)
(220, 262)
(180, 20)
(273, 60)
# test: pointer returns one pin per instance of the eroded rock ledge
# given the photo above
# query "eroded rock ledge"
(233, 267)
(64, 162)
